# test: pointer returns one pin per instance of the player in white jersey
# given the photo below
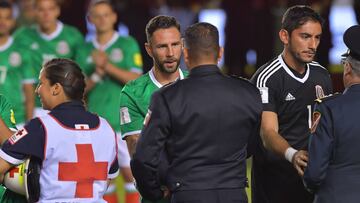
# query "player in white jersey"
(68, 142)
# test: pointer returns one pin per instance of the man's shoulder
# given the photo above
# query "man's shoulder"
(137, 85)
(328, 98)
(269, 71)
(315, 66)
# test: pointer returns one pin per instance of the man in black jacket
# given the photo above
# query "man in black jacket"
(205, 124)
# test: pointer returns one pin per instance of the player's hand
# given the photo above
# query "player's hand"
(166, 192)
(100, 58)
(300, 160)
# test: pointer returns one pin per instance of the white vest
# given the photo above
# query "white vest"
(76, 162)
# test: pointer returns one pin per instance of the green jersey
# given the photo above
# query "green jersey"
(16, 69)
(104, 98)
(135, 100)
(7, 113)
(62, 43)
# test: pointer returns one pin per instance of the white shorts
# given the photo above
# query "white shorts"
(123, 152)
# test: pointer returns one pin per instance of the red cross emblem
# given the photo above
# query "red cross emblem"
(84, 172)
(17, 136)
(12, 171)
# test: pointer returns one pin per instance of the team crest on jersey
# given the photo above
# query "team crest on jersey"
(15, 59)
(116, 55)
(124, 116)
(34, 46)
(17, 136)
(63, 48)
(319, 92)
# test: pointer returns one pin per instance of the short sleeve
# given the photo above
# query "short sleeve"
(134, 55)
(131, 118)
(27, 141)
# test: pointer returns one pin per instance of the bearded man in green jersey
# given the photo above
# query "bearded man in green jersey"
(16, 69)
(7, 127)
(110, 61)
(164, 45)
(48, 38)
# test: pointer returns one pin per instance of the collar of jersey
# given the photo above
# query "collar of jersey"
(48, 37)
(287, 69)
(108, 44)
(157, 83)
(7, 44)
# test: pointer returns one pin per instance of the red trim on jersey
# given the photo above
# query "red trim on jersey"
(69, 128)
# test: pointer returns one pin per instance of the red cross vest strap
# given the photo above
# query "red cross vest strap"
(77, 162)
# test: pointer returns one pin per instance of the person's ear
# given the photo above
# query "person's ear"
(56, 89)
(148, 49)
(284, 36)
(186, 56)
(220, 54)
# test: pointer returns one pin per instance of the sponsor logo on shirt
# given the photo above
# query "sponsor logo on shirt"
(124, 116)
(289, 97)
(17, 136)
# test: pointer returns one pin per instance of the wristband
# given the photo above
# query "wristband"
(289, 154)
(95, 77)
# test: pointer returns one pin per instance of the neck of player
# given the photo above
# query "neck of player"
(3, 39)
(165, 78)
(293, 63)
(104, 37)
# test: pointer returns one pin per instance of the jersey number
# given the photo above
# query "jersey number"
(309, 115)
(3, 71)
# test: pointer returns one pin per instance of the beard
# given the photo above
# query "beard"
(166, 69)
(298, 55)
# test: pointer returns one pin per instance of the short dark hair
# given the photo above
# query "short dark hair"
(67, 73)
(297, 16)
(98, 2)
(160, 22)
(5, 4)
(202, 39)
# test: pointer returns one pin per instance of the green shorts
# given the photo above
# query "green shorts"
(7, 196)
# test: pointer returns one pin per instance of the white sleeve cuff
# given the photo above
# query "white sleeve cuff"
(289, 154)
(10, 159)
(113, 175)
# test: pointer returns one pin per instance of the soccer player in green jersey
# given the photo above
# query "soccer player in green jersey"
(7, 128)
(110, 61)
(48, 38)
(164, 45)
(16, 69)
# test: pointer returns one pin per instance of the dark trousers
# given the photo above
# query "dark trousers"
(210, 196)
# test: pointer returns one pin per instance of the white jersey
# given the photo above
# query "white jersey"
(76, 161)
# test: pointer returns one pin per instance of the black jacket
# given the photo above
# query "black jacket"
(204, 123)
